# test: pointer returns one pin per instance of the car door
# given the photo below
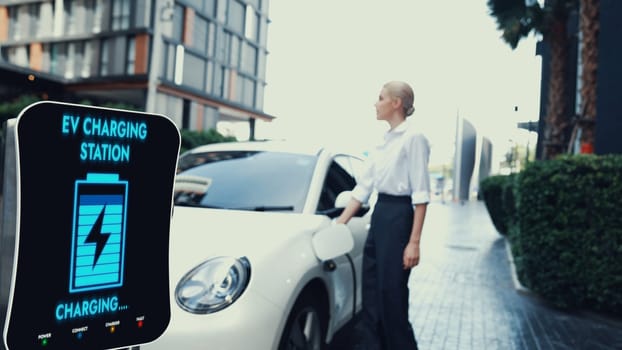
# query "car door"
(359, 224)
(346, 278)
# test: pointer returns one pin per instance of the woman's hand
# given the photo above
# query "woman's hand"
(411, 255)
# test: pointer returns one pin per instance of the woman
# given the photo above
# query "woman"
(398, 171)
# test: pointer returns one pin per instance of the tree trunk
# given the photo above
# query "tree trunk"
(556, 115)
(590, 27)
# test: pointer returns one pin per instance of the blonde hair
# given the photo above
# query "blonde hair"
(403, 91)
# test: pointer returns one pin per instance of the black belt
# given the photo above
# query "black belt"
(383, 197)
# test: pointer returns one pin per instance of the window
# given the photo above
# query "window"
(98, 14)
(88, 54)
(239, 89)
(249, 180)
(171, 106)
(194, 71)
(218, 80)
(53, 58)
(178, 22)
(113, 56)
(211, 32)
(250, 27)
(71, 63)
(121, 10)
(104, 67)
(210, 8)
(33, 11)
(259, 93)
(45, 20)
(18, 17)
(235, 20)
(245, 91)
(350, 164)
(261, 65)
(168, 67)
(70, 16)
(13, 24)
(222, 45)
(222, 10)
(196, 4)
(248, 59)
(18, 55)
(130, 63)
(337, 180)
(199, 34)
(234, 51)
(79, 52)
(58, 57)
(248, 96)
(210, 117)
(208, 77)
(226, 81)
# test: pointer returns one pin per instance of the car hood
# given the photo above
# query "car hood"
(198, 234)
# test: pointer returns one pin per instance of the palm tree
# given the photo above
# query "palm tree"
(590, 27)
(517, 19)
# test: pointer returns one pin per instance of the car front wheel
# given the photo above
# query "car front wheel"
(304, 329)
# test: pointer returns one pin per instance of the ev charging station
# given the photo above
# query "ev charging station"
(94, 205)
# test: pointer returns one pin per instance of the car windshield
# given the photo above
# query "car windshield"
(247, 180)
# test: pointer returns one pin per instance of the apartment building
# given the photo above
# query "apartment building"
(197, 61)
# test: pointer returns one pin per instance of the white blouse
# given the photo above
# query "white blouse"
(397, 167)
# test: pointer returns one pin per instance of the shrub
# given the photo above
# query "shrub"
(498, 195)
(11, 109)
(193, 138)
(508, 201)
(569, 239)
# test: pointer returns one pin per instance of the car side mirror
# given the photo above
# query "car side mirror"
(342, 199)
(333, 241)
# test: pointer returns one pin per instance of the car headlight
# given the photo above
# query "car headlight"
(213, 285)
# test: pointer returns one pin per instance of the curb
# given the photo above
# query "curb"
(517, 285)
(612, 321)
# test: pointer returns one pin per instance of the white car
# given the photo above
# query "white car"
(256, 260)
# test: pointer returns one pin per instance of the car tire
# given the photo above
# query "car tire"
(305, 328)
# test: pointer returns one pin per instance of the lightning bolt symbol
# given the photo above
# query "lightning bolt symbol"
(96, 236)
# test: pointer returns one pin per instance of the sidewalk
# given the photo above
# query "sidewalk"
(463, 295)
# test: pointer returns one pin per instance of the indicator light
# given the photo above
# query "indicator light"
(44, 342)
(112, 329)
(79, 335)
(140, 324)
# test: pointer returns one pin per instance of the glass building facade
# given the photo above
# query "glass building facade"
(196, 61)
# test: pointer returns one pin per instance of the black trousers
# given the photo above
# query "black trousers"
(384, 322)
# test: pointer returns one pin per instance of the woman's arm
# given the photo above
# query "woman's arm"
(411, 252)
(353, 206)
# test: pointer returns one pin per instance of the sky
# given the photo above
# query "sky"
(328, 60)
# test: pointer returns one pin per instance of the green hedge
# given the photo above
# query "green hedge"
(497, 191)
(567, 241)
(192, 138)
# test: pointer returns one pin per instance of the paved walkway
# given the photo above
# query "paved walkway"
(463, 295)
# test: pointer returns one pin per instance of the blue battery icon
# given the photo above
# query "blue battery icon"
(98, 238)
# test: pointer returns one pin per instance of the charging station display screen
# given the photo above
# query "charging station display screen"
(95, 190)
